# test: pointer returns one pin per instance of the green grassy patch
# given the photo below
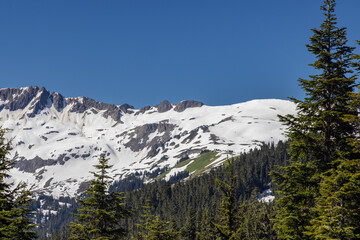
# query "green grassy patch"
(179, 165)
(200, 163)
(197, 166)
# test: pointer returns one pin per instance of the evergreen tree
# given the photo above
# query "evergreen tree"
(206, 231)
(339, 200)
(15, 216)
(257, 215)
(230, 225)
(322, 135)
(6, 215)
(189, 230)
(102, 211)
(152, 228)
(23, 220)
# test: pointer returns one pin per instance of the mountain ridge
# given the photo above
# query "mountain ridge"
(58, 139)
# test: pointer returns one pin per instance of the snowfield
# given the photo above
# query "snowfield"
(56, 149)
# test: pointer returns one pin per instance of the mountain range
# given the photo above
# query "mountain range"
(56, 140)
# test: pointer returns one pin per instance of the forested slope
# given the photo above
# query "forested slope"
(199, 195)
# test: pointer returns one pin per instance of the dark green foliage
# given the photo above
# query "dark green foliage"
(152, 228)
(189, 231)
(230, 223)
(314, 188)
(298, 184)
(206, 229)
(178, 177)
(339, 203)
(22, 220)
(54, 226)
(131, 182)
(15, 216)
(257, 219)
(102, 211)
(201, 193)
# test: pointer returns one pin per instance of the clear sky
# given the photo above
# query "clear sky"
(144, 51)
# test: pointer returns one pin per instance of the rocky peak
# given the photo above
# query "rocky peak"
(182, 106)
(19, 98)
(40, 102)
(125, 108)
(58, 101)
(38, 98)
(164, 106)
(143, 110)
(80, 105)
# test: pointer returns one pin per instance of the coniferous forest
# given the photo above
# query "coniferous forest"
(315, 176)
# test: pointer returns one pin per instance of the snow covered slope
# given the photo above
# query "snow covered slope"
(57, 140)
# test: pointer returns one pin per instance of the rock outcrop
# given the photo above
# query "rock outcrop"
(164, 106)
(182, 106)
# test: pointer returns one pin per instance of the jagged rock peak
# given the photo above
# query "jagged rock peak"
(125, 108)
(182, 106)
(82, 104)
(143, 110)
(164, 106)
(34, 97)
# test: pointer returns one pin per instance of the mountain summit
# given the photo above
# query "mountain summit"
(57, 140)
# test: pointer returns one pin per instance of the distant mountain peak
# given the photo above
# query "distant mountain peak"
(58, 140)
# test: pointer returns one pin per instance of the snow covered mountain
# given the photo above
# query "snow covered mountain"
(57, 140)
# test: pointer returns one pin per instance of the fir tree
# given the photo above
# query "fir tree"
(15, 216)
(257, 215)
(206, 231)
(102, 211)
(339, 200)
(189, 230)
(152, 228)
(322, 135)
(230, 224)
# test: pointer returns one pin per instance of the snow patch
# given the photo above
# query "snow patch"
(266, 196)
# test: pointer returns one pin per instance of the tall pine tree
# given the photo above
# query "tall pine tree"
(152, 228)
(322, 133)
(188, 232)
(230, 223)
(339, 199)
(15, 216)
(102, 211)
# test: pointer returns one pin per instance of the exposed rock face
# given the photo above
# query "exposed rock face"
(182, 106)
(32, 165)
(83, 104)
(164, 106)
(125, 108)
(39, 98)
(143, 110)
(17, 98)
(140, 137)
(59, 102)
(40, 102)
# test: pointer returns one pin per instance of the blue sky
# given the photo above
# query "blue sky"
(143, 51)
